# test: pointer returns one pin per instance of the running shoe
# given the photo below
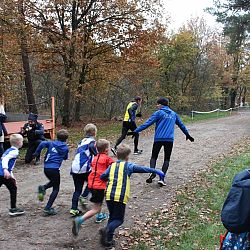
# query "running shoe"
(75, 212)
(50, 211)
(151, 177)
(83, 201)
(16, 211)
(41, 193)
(101, 217)
(138, 152)
(76, 226)
(161, 183)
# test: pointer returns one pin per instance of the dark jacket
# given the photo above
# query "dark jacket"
(3, 118)
(34, 132)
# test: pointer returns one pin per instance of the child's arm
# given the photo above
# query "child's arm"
(133, 168)
(92, 148)
(105, 175)
(41, 146)
(66, 155)
(5, 162)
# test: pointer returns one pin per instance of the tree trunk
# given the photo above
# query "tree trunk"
(233, 94)
(66, 106)
(25, 61)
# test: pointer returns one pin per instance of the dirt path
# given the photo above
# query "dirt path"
(34, 231)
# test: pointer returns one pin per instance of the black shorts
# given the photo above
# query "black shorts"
(97, 195)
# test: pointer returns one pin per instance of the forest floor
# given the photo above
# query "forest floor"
(213, 138)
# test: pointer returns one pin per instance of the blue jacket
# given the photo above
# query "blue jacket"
(57, 151)
(165, 120)
(8, 160)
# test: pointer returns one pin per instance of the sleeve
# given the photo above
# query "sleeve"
(181, 125)
(66, 155)
(5, 160)
(23, 129)
(92, 148)
(133, 168)
(132, 109)
(4, 130)
(109, 161)
(148, 123)
(105, 175)
(41, 146)
(39, 129)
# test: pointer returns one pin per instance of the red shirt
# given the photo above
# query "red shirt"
(99, 165)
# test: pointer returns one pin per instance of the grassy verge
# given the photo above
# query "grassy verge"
(193, 221)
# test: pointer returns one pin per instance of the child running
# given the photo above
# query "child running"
(81, 166)
(57, 151)
(96, 186)
(118, 189)
(7, 164)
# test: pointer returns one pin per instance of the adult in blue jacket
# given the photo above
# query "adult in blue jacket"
(165, 120)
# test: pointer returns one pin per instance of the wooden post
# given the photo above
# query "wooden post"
(192, 114)
(53, 117)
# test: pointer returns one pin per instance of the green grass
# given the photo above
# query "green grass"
(195, 223)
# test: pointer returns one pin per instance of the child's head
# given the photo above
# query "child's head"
(90, 130)
(16, 140)
(102, 146)
(62, 135)
(123, 152)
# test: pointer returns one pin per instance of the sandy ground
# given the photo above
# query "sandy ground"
(35, 231)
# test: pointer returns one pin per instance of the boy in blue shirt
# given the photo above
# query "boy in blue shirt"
(118, 191)
(7, 164)
(81, 166)
(57, 151)
(165, 120)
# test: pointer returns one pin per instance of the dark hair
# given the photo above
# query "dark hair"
(62, 135)
(137, 98)
(163, 101)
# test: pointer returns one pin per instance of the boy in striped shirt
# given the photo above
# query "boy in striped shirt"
(118, 189)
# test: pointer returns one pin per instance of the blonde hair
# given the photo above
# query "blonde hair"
(123, 151)
(90, 129)
(15, 139)
(102, 145)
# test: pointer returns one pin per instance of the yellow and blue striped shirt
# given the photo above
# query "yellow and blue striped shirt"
(118, 176)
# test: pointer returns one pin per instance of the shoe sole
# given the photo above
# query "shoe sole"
(75, 232)
(16, 214)
(99, 221)
(162, 185)
(149, 180)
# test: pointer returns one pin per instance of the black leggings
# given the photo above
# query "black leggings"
(167, 154)
(54, 181)
(126, 126)
(11, 185)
